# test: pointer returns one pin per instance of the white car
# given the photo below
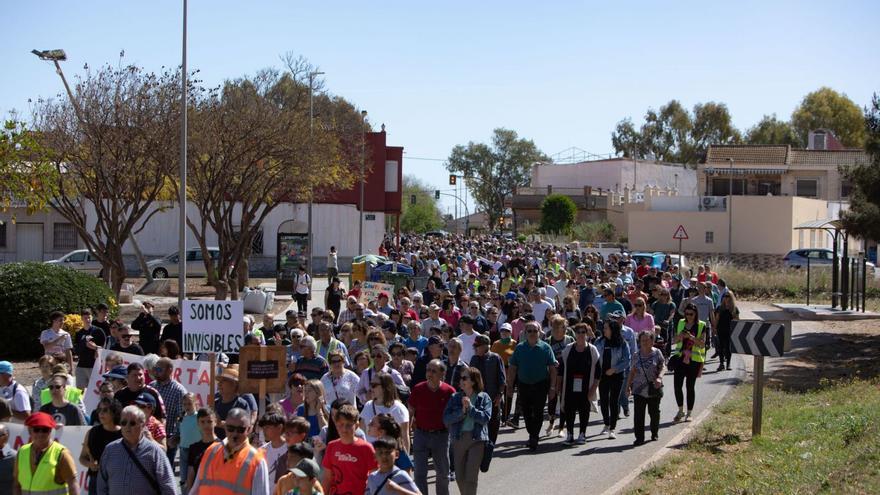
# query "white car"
(195, 264)
(81, 260)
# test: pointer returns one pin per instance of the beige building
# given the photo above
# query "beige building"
(780, 170)
(757, 225)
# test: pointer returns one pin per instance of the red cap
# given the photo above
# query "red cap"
(39, 419)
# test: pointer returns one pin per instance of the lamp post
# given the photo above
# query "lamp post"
(55, 56)
(363, 166)
(730, 210)
(311, 155)
(181, 255)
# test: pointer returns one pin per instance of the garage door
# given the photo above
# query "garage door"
(29, 241)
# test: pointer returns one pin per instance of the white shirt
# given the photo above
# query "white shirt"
(21, 402)
(272, 454)
(344, 388)
(539, 309)
(467, 346)
(397, 411)
(302, 283)
(49, 335)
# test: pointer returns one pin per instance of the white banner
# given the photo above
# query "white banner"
(370, 291)
(195, 376)
(212, 326)
(72, 437)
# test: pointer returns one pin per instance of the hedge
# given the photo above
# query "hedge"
(30, 291)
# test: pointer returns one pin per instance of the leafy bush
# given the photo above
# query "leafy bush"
(594, 232)
(30, 291)
(558, 213)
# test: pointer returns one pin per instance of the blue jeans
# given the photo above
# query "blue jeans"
(435, 444)
(184, 464)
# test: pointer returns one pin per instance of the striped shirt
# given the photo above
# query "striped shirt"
(119, 473)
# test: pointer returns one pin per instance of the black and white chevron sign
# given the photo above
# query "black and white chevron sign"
(760, 338)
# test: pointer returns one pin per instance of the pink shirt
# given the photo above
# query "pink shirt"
(640, 325)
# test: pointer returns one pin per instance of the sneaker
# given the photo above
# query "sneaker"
(582, 439)
(653, 438)
(687, 417)
(605, 430)
(569, 439)
(626, 411)
(452, 476)
(720, 367)
(638, 442)
(611, 434)
(679, 416)
(533, 444)
(549, 429)
(561, 433)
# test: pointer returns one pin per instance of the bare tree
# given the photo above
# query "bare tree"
(115, 159)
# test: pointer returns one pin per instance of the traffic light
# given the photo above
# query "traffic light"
(452, 179)
(437, 194)
(412, 199)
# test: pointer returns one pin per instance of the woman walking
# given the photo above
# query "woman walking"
(688, 356)
(723, 325)
(645, 383)
(98, 437)
(577, 381)
(467, 415)
(614, 362)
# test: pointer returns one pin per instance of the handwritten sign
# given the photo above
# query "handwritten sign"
(370, 290)
(262, 366)
(212, 326)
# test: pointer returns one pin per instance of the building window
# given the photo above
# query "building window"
(771, 188)
(2, 234)
(63, 236)
(721, 187)
(808, 188)
(710, 237)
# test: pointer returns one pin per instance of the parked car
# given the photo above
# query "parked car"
(654, 259)
(195, 265)
(797, 258)
(81, 260)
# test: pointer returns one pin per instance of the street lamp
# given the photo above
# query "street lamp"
(363, 166)
(55, 56)
(311, 156)
(181, 242)
(730, 209)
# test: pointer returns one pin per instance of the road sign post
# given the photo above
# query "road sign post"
(760, 338)
(681, 235)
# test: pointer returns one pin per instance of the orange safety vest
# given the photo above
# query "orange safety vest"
(233, 477)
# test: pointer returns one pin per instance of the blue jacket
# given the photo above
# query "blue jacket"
(620, 355)
(480, 412)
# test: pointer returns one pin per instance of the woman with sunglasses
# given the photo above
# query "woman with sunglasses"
(61, 409)
(380, 357)
(98, 437)
(688, 356)
(577, 381)
(384, 401)
(645, 383)
(467, 415)
(399, 364)
(294, 398)
(639, 320)
(339, 382)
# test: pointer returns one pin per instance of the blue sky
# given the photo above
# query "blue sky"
(444, 73)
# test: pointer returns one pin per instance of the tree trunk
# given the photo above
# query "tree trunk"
(140, 259)
(242, 273)
(222, 289)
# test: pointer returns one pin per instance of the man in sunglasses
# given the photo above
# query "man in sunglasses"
(494, 380)
(533, 366)
(135, 462)
(233, 465)
(431, 438)
(58, 477)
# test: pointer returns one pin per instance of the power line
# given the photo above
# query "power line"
(423, 158)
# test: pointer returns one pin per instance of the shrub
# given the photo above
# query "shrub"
(30, 291)
(558, 213)
(602, 231)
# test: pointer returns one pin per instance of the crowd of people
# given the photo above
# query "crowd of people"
(488, 332)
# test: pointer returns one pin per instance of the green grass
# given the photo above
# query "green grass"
(823, 441)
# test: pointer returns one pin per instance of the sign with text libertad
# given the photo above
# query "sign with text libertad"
(212, 326)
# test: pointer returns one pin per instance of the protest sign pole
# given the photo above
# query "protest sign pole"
(212, 386)
(261, 406)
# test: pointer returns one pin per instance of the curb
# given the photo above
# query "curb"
(741, 374)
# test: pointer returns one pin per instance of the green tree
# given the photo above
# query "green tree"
(495, 170)
(828, 109)
(558, 213)
(770, 130)
(25, 175)
(673, 134)
(422, 216)
(863, 217)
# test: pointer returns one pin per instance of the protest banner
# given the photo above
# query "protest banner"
(195, 376)
(370, 291)
(71, 437)
(212, 326)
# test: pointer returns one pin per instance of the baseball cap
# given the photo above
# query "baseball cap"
(506, 327)
(510, 296)
(118, 372)
(6, 367)
(39, 420)
(145, 399)
(307, 468)
(617, 314)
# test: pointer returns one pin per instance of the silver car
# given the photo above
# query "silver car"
(797, 258)
(195, 264)
(81, 260)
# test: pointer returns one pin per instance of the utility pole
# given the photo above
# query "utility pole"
(363, 166)
(311, 156)
(181, 248)
(730, 210)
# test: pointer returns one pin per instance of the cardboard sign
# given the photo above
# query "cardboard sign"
(370, 291)
(195, 376)
(212, 326)
(71, 437)
(262, 364)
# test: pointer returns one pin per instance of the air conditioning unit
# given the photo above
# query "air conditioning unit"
(710, 202)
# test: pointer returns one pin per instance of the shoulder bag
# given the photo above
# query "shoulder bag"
(653, 392)
(137, 462)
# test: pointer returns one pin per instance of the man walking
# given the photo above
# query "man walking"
(431, 438)
(14, 392)
(172, 393)
(533, 366)
(332, 265)
(233, 466)
(494, 380)
(44, 465)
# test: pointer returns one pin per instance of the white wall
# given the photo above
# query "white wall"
(611, 174)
